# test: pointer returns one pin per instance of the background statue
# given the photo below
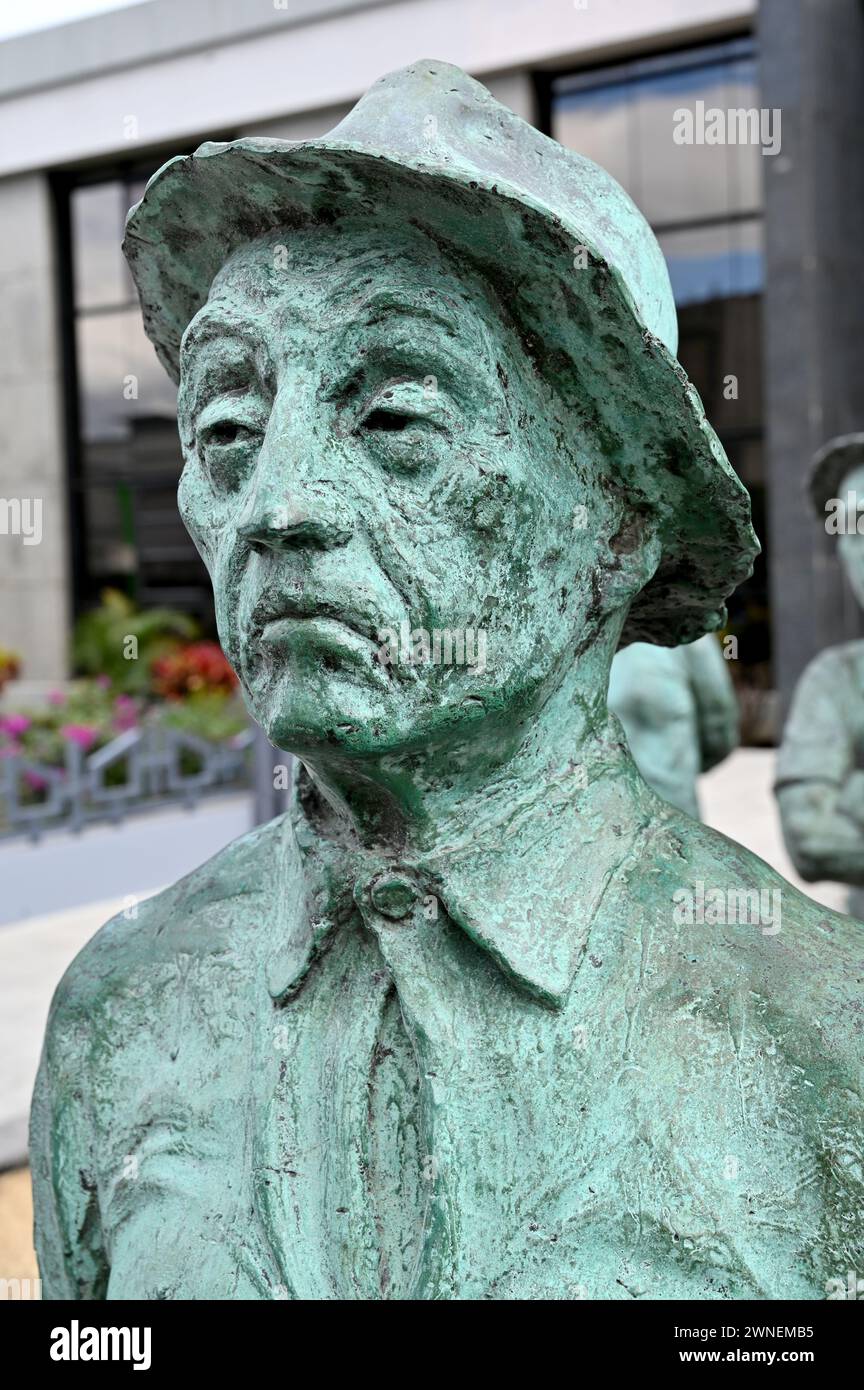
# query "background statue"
(820, 768)
(679, 712)
(482, 1017)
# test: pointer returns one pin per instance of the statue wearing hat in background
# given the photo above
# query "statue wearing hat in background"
(820, 769)
(679, 712)
(481, 1017)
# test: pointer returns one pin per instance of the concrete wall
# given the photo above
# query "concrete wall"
(165, 72)
(159, 75)
(513, 89)
(34, 583)
(812, 64)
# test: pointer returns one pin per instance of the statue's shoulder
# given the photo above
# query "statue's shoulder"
(748, 929)
(833, 669)
(746, 1025)
(194, 917)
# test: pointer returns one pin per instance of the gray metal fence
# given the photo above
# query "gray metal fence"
(139, 770)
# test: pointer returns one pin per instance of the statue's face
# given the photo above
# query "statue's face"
(851, 542)
(371, 458)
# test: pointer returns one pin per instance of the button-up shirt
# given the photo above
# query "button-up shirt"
(503, 1070)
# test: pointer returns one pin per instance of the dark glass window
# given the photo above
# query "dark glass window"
(126, 453)
(704, 201)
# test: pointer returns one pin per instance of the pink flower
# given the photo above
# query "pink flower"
(82, 734)
(104, 682)
(14, 725)
(125, 713)
(35, 781)
(57, 697)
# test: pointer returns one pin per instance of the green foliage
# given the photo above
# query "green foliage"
(100, 641)
(211, 715)
(10, 665)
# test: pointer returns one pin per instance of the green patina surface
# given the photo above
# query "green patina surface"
(679, 712)
(461, 1024)
(820, 781)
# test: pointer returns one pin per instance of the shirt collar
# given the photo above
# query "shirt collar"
(525, 885)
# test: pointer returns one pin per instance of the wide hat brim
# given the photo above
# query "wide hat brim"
(830, 465)
(579, 272)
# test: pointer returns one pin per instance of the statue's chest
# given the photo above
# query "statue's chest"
(425, 1138)
(440, 1136)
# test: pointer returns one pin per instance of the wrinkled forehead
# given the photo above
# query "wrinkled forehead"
(348, 279)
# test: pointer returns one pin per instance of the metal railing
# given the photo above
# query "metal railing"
(138, 770)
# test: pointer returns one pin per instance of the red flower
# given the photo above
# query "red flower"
(195, 667)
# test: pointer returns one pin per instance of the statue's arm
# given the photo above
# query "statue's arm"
(716, 703)
(819, 790)
(68, 1234)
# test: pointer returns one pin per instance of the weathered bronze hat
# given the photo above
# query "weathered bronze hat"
(570, 255)
(830, 465)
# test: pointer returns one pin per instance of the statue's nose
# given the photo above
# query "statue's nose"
(280, 528)
(303, 513)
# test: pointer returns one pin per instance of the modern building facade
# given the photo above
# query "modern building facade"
(89, 110)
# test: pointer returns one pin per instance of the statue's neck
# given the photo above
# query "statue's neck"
(423, 800)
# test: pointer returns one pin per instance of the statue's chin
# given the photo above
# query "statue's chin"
(337, 713)
(314, 717)
(311, 685)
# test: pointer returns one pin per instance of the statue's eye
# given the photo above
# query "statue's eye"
(228, 449)
(404, 425)
(225, 432)
(387, 420)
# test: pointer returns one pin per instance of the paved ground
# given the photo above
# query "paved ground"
(736, 798)
(33, 956)
(63, 870)
(92, 876)
(17, 1256)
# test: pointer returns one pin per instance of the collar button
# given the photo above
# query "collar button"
(393, 895)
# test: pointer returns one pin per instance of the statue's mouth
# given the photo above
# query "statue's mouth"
(328, 635)
(289, 611)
